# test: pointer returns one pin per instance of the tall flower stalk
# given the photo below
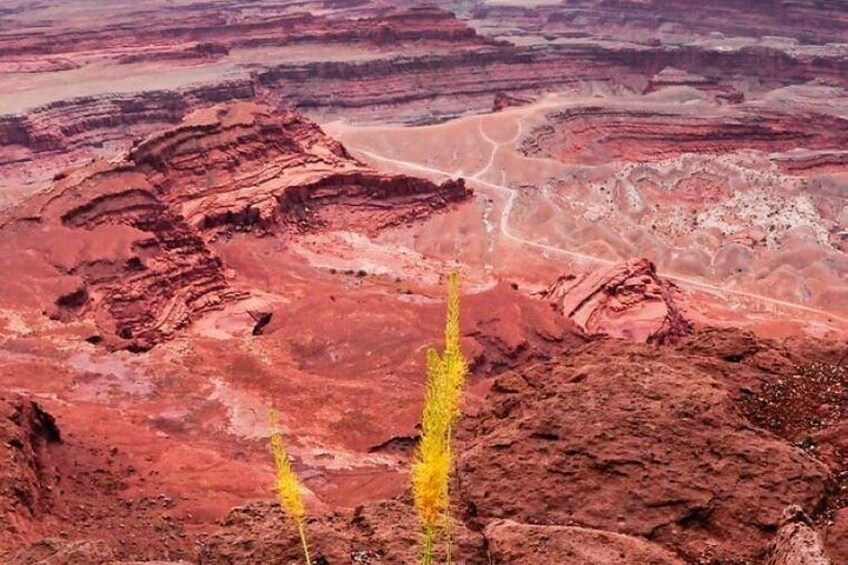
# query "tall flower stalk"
(288, 486)
(432, 467)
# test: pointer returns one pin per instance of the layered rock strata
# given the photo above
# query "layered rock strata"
(627, 300)
(128, 236)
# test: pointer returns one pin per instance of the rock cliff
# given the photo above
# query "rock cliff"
(128, 235)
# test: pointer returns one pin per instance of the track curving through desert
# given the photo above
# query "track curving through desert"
(504, 223)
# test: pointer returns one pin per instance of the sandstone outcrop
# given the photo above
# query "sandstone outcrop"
(629, 301)
(635, 440)
(129, 235)
(671, 77)
(92, 121)
(511, 542)
(503, 100)
(505, 329)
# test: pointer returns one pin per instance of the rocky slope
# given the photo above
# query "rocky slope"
(28, 474)
(599, 449)
(385, 532)
(126, 238)
(614, 453)
(638, 465)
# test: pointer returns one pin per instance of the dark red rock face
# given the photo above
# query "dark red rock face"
(384, 531)
(612, 453)
(635, 440)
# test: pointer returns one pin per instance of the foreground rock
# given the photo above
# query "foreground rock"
(60, 552)
(384, 532)
(636, 440)
(796, 542)
(126, 240)
(510, 542)
(603, 452)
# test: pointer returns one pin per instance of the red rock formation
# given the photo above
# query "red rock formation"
(511, 542)
(126, 233)
(207, 51)
(628, 300)
(243, 167)
(461, 68)
(468, 78)
(385, 531)
(504, 100)
(506, 329)
(670, 77)
(635, 440)
(809, 163)
(64, 126)
(158, 30)
(810, 20)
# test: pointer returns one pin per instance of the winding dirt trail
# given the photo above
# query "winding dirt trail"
(509, 194)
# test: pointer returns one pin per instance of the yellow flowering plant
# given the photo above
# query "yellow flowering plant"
(431, 469)
(288, 486)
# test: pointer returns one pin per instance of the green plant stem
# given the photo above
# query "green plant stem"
(302, 532)
(429, 534)
(448, 503)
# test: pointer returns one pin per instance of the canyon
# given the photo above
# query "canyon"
(213, 210)
(213, 56)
